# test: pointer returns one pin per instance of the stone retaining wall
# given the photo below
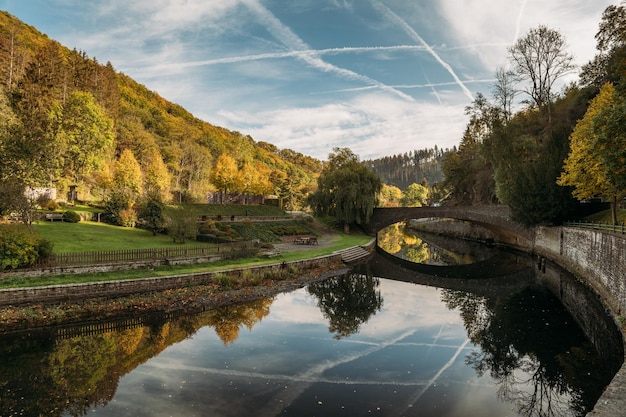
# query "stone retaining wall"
(598, 259)
(56, 293)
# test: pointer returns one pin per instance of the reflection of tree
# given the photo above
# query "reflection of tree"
(392, 238)
(77, 366)
(228, 320)
(71, 376)
(347, 301)
(550, 378)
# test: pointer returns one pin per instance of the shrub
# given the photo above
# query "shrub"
(182, 225)
(46, 203)
(71, 216)
(20, 247)
(127, 218)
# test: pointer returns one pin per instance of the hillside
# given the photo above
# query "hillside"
(402, 170)
(67, 119)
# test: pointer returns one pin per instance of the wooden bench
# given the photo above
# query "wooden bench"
(54, 216)
(305, 241)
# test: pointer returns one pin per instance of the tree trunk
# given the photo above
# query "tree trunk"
(614, 209)
(346, 228)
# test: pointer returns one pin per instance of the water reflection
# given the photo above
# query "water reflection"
(539, 361)
(353, 345)
(404, 242)
(347, 301)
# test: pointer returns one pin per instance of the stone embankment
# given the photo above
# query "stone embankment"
(599, 259)
(69, 292)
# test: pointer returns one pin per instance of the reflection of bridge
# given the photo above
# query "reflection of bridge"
(495, 218)
(503, 274)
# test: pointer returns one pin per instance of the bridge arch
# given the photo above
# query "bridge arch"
(495, 218)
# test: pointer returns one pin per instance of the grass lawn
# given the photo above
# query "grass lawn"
(91, 236)
(340, 242)
(605, 217)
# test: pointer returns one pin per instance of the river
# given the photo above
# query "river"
(376, 341)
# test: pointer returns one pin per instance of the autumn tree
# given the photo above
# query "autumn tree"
(416, 195)
(128, 176)
(584, 167)
(390, 196)
(347, 189)
(225, 173)
(156, 177)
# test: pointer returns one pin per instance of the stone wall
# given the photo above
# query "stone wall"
(599, 260)
(56, 293)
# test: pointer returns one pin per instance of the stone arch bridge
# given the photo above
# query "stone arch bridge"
(495, 218)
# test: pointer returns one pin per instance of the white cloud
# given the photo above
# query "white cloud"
(371, 125)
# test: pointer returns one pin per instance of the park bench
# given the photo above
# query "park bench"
(54, 216)
(305, 241)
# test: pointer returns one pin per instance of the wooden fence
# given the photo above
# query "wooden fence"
(141, 255)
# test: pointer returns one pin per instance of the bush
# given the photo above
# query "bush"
(46, 203)
(20, 247)
(71, 217)
(127, 218)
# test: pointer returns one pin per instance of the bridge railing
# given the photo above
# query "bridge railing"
(605, 226)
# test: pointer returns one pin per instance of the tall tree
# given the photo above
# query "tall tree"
(504, 92)
(83, 133)
(128, 177)
(225, 173)
(347, 189)
(608, 64)
(540, 57)
(157, 179)
(584, 168)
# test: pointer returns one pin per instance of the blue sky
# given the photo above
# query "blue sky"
(381, 77)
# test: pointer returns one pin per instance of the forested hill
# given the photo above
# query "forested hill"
(405, 169)
(67, 119)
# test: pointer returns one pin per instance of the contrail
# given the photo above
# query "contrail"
(519, 20)
(434, 379)
(297, 53)
(294, 43)
(391, 15)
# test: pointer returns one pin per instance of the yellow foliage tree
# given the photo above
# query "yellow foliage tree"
(584, 167)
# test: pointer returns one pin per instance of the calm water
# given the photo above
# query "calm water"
(431, 249)
(354, 345)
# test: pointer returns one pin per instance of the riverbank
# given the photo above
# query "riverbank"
(35, 307)
(225, 290)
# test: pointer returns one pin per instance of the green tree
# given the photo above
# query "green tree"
(468, 172)
(83, 134)
(151, 213)
(181, 224)
(347, 189)
(416, 195)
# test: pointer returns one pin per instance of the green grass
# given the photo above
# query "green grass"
(605, 217)
(91, 236)
(340, 242)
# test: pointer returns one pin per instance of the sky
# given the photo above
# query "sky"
(381, 77)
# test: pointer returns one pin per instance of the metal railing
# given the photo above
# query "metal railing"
(607, 227)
